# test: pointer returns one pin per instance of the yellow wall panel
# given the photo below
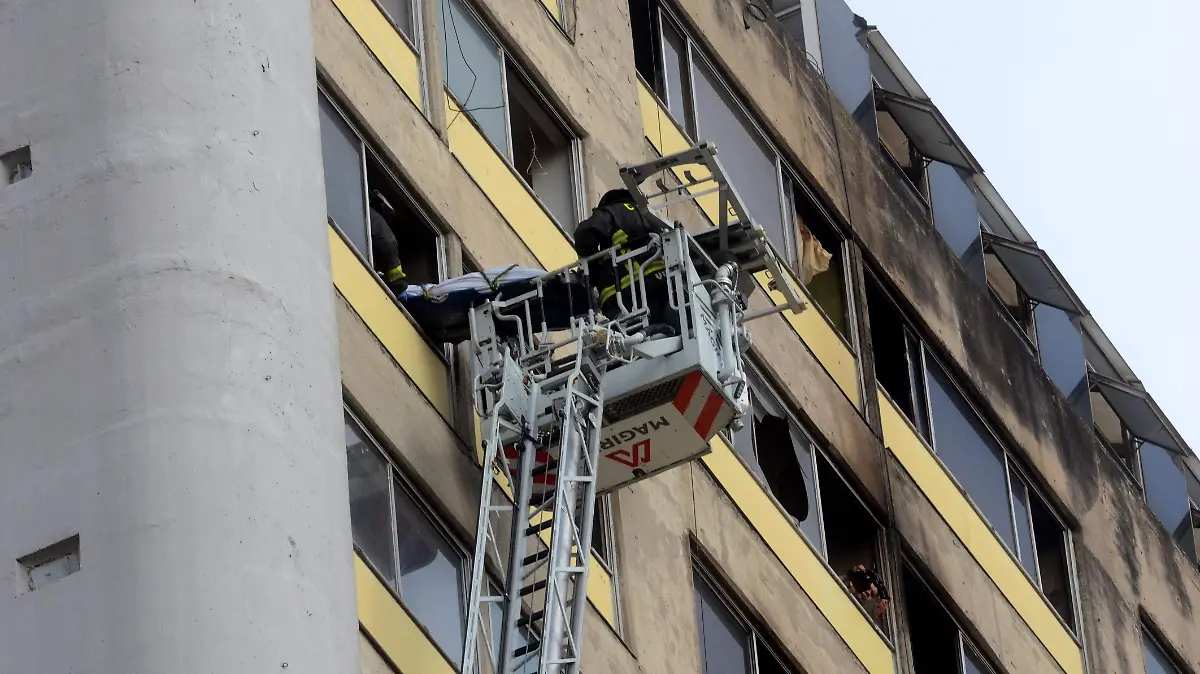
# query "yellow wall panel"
(811, 325)
(491, 172)
(401, 62)
(397, 635)
(390, 325)
(976, 536)
(805, 566)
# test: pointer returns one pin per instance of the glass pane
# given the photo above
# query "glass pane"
(811, 526)
(341, 156)
(845, 63)
(1024, 523)
(430, 576)
(748, 162)
(972, 663)
(370, 507)
(542, 152)
(955, 213)
(1060, 345)
(675, 72)
(970, 452)
(723, 642)
(474, 70)
(1166, 493)
(1156, 661)
(401, 14)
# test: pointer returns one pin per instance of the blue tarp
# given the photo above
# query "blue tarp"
(442, 309)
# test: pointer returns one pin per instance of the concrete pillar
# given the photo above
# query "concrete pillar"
(169, 387)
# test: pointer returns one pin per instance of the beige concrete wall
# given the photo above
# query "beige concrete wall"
(593, 82)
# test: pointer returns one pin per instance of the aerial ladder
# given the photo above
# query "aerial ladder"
(594, 405)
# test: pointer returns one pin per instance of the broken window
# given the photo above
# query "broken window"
(899, 153)
(781, 455)
(728, 643)
(939, 645)
(821, 254)
(399, 538)
(811, 492)
(488, 87)
(402, 15)
(362, 195)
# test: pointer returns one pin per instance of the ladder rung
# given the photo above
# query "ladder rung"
(528, 648)
(528, 620)
(549, 466)
(540, 501)
(536, 557)
(530, 589)
(540, 527)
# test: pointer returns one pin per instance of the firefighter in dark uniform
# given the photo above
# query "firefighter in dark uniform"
(384, 247)
(617, 221)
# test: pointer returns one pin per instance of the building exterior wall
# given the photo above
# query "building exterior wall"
(713, 513)
(169, 352)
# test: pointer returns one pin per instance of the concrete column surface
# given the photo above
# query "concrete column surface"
(169, 385)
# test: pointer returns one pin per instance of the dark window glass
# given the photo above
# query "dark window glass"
(1157, 661)
(677, 80)
(1024, 522)
(474, 69)
(370, 505)
(956, 215)
(1060, 346)
(643, 20)
(430, 576)
(1051, 542)
(401, 14)
(933, 633)
(341, 155)
(749, 163)
(889, 344)
(767, 662)
(846, 65)
(723, 642)
(1167, 495)
(970, 452)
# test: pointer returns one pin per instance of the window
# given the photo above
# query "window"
(488, 87)
(399, 539)
(403, 15)
(707, 109)
(939, 645)
(16, 166)
(924, 391)
(362, 196)
(1157, 660)
(603, 545)
(821, 254)
(728, 644)
(799, 19)
(844, 61)
(811, 492)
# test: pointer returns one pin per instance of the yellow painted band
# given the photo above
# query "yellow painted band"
(390, 626)
(801, 561)
(390, 326)
(977, 536)
(380, 36)
(554, 9)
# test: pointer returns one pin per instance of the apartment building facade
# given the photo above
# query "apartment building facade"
(186, 393)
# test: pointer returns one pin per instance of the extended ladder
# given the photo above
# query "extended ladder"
(542, 396)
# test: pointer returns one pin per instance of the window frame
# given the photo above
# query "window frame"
(962, 638)
(417, 41)
(507, 61)
(1149, 636)
(818, 453)
(1011, 463)
(754, 637)
(398, 479)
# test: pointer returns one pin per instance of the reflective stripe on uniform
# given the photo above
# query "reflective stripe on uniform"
(609, 292)
(394, 274)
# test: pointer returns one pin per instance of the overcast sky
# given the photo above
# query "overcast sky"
(1084, 116)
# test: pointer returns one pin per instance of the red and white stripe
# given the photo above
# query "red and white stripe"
(699, 403)
(542, 482)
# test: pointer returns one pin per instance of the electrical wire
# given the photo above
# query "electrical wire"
(447, 8)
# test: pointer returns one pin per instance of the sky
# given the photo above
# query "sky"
(1084, 117)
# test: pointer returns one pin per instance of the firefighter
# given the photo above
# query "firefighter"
(868, 587)
(617, 221)
(385, 248)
